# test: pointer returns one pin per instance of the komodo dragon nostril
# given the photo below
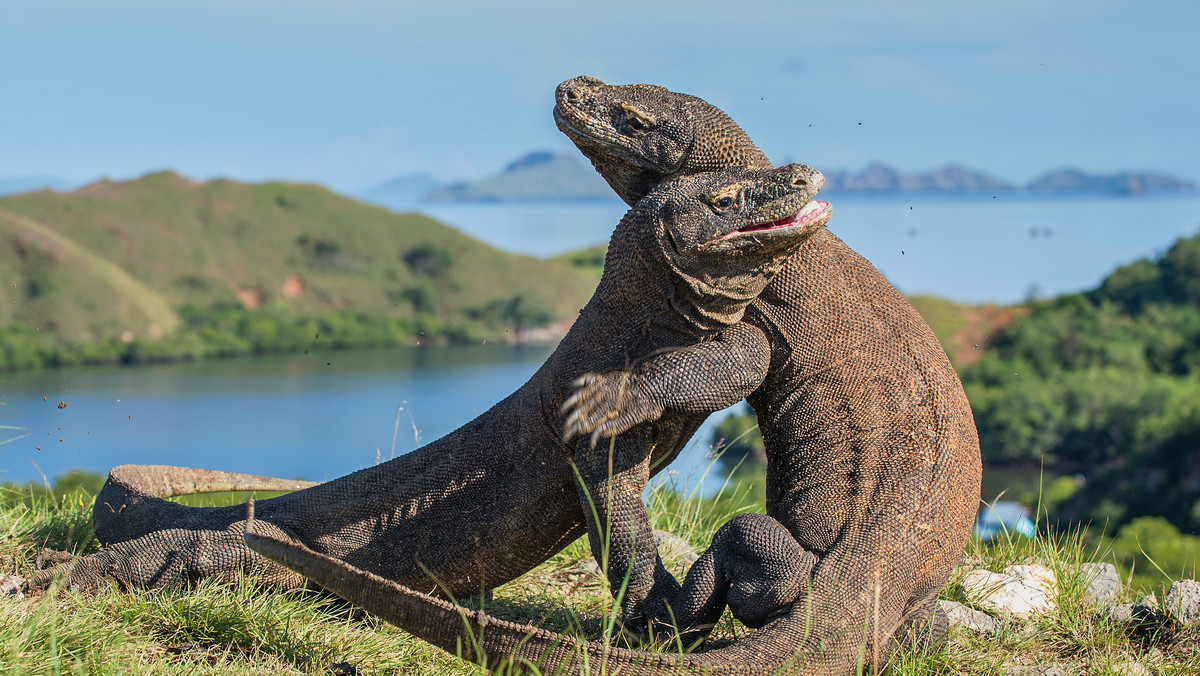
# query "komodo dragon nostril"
(572, 94)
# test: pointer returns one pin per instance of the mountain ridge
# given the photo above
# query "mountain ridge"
(558, 176)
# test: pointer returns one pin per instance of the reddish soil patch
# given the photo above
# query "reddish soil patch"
(982, 322)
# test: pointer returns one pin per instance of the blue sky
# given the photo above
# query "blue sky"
(354, 92)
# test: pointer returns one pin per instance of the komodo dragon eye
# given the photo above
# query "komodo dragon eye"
(636, 122)
(724, 200)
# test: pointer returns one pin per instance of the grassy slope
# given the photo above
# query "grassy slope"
(240, 629)
(116, 256)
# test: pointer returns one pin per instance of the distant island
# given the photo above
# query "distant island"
(552, 176)
(540, 175)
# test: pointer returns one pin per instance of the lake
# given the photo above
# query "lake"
(315, 416)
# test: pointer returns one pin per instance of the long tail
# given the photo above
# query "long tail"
(165, 481)
(119, 513)
(480, 639)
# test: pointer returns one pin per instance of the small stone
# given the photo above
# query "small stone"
(1183, 602)
(1055, 669)
(970, 619)
(11, 587)
(1103, 583)
(1133, 613)
(1021, 590)
(1130, 669)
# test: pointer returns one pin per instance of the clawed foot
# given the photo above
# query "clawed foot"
(607, 404)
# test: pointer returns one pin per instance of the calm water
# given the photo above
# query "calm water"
(970, 249)
(311, 416)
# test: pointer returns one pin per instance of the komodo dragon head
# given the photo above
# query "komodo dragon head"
(719, 236)
(639, 135)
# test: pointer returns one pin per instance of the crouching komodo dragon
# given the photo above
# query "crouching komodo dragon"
(706, 244)
(873, 461)
(504, 492)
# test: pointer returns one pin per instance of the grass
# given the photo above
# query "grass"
(245, 628)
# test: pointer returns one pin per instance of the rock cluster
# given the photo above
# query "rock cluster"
(1026, 590)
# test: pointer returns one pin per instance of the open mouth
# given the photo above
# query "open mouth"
(813, 213)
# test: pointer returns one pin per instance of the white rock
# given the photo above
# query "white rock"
(1183, 601)
(1130, 669)
(1103, 583)
(1021, 590)
(970, 619)
(1035, 575)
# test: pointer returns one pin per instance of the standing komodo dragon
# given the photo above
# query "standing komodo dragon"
(873, 457)
(500, 495)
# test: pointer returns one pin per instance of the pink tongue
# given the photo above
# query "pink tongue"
(812, 212)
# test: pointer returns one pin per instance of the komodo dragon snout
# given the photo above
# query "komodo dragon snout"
(647, 130)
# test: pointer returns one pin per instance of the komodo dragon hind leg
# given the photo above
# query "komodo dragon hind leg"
(119, 512)
(754, 565)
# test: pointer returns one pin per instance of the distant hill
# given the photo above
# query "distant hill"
(880, 178)
(178, 268)
(409, 188)
(1065, 181)
(540, 175)
(14, 185)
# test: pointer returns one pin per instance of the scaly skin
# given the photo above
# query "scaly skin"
(750, 204)
(498, 496)
(873, 459)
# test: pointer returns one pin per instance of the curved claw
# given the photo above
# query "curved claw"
(602, 406)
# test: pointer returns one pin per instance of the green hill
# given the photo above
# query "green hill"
(165, 267)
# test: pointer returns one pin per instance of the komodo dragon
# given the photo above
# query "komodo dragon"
(872, 455)
(500, 495)
(710, 214)
(873, 459)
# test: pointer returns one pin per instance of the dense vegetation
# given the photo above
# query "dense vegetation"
(1101, 390)
(166, 268)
